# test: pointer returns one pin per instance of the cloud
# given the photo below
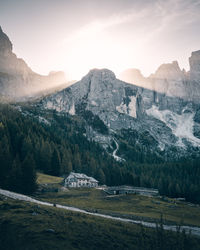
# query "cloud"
(155, 18)
(100, 25)
(141, 37)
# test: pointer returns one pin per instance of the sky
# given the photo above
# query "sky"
(78, 35)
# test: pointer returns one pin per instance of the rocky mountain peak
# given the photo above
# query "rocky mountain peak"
(132, 76)
(100, 75)
(58, 75)
(170, 71)
(17, 80)
(194, 61)
(5, 44)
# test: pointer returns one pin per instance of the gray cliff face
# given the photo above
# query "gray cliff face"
(170, 80)
(169, 121)
(17, 80)
(5, 44)
(170, 71)
(194, 61)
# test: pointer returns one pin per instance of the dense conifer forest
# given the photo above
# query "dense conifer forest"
(54, 143)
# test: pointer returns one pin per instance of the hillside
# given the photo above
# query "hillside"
(21, 227)
(55, 143)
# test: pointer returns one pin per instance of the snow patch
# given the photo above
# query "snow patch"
(94, 103)
(132, 107)
(181, 125)
(122, 108)
(43, 120)
(72, 110)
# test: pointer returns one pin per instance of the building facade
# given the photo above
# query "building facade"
(80, 180)
(131, 190)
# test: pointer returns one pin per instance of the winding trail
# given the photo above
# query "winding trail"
(117, 158)
(188, 229)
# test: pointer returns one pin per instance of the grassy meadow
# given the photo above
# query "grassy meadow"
(25, 226)
(129, 206)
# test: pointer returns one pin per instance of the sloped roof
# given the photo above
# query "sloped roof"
(81, 176)
(92, 179)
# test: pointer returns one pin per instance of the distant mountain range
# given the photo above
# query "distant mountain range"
(170, 80)
(17, 80)
(161, 116)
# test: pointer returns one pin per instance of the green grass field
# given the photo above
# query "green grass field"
(48, 179)
(28, 226)
(130, 206)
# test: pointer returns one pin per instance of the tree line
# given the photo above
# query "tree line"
(29, 143)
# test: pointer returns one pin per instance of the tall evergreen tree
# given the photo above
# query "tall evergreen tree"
(55, 163)
(15, 177)
(28, 175)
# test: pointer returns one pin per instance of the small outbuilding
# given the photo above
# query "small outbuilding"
(131, 190)
(80, 180)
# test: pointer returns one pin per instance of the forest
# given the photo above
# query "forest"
(54, 143)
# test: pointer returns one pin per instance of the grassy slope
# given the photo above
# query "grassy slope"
(126, 205)
(48, 179)
(27, 226)
(130, 205)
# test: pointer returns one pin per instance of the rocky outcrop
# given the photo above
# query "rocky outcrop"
(17, 80)
(169, 71)
(133, 76)
(194, 61)
(5, 44)
(170, 80)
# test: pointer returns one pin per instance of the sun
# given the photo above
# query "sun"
(93, 48)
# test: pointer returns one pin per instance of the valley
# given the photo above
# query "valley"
(41, 227)
(138, 131)
(64, 211)
(130, 206)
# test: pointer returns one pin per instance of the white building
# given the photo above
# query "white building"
(80, 180)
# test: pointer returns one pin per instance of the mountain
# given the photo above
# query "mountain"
(194, 61)
(133, 76)
(117, 132)
(161, 117)
(118, 113)
(17, 80)
(170, 79)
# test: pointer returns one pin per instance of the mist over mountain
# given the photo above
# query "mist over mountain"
(165, 108)
(17, 80)
(170, 80)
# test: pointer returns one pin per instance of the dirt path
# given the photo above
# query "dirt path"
(194, 230)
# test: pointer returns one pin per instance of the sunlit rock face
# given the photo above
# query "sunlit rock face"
(170, 71)
(133, 76)
(101, 93)
(170, 121)
(5, 44)
(17, 80)
(170, 80)
(194, 61)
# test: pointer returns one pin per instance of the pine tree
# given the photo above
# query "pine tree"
(28, 175)
(101, 176)
(14, 182)
(55, 163)
(66, 165)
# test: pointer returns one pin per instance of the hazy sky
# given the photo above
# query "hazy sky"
(77, 35)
